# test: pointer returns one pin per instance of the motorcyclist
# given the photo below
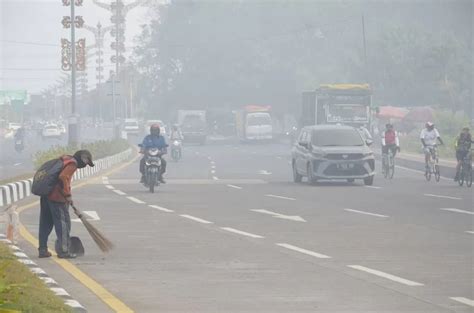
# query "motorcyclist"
(20, 134)
(154, 140)
(176, 133)
(390, 140)
(463, 147)
(429, 137)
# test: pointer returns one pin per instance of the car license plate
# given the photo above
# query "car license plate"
(346, 166)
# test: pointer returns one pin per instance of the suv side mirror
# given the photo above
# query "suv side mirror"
(303, 144)
(369, 142)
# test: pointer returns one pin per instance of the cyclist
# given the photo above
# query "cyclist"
(429, 137)
(390, 141)
(463, 147)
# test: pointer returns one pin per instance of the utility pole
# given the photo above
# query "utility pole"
(99, 67)
(365, 51)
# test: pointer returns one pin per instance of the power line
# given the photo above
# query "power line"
(31, 43)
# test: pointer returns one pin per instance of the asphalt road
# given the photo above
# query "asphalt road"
(230, 232)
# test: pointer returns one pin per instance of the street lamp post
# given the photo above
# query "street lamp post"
(69, 62)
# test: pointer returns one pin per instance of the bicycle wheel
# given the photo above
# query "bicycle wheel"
(428, 173)
(391, 169)
(468, 177)
(461, 177)
(437, 172)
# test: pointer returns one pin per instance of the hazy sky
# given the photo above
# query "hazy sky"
(30, 32)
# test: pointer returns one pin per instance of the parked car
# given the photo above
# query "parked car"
(332, 152)
(51, 131)
(14, 126)
(131, 126)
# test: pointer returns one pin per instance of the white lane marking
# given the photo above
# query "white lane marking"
(444, 197)
(16, 164)
(463, 300)
(295, 218)
(109, 187)
(197, 219)
(213, 163)
(373, 187)
(213, 171)
(213, 167)
(160, 208)
(209, 158)
(135, 200)
(105, 179)
(457, 210)
(301, 250)
(366, 213)
(417, 171)
(215, 178)
(386, 275)
(280, 197)
(264, 172)
(236, 231)
(469, 231)
(91, 216)
(119, 192)
(234, 186)
(279, 157)
(20, 254)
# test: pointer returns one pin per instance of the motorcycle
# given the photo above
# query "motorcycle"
(19, 145)
(152, 168)
(176, 151)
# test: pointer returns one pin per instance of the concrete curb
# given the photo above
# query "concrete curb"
(16, 191)
(41, 274)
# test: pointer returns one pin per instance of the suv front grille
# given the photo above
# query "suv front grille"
(344, 156)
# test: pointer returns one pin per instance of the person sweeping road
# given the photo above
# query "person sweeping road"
(52, 182)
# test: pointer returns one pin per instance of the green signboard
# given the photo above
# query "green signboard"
(7, 97)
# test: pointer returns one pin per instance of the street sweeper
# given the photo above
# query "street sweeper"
(52, 182)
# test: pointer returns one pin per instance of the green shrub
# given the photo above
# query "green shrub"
(99, 149)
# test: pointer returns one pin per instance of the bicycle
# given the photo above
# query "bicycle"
(465, 173)
(388, 164)
(433, 164)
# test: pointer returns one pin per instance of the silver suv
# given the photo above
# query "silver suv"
(332, 152)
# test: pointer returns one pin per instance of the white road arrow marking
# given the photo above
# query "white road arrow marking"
(264, 172)
(90, 215)
(295, 218)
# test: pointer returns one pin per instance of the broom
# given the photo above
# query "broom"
(102, 242)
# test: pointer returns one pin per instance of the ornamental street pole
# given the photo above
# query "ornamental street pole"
(73, 138)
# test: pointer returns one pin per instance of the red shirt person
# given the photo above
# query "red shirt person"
(55, 206)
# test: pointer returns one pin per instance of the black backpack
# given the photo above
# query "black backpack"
(46, 177)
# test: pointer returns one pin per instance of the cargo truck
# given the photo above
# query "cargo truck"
(254, 123)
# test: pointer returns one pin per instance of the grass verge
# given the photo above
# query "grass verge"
(22, 291)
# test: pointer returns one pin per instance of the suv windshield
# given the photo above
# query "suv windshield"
(336, 137)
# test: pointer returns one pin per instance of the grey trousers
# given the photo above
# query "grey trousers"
(54, 214)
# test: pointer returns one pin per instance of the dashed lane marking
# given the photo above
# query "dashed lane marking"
(197, 219)
(109, 187)
(160, 208)
(469, 231)
(236, 231)
(280, 197)
(119, 192)
(373, 187)
(213, 171)
(16, 164)
(444, 197)
(234, 186)
(366, 213)
(304, 251)
(463, 300)
(386, 275)
(133, 199)
(457, 210)
(215, 178)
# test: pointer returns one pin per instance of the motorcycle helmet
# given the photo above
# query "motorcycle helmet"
(155, 129)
